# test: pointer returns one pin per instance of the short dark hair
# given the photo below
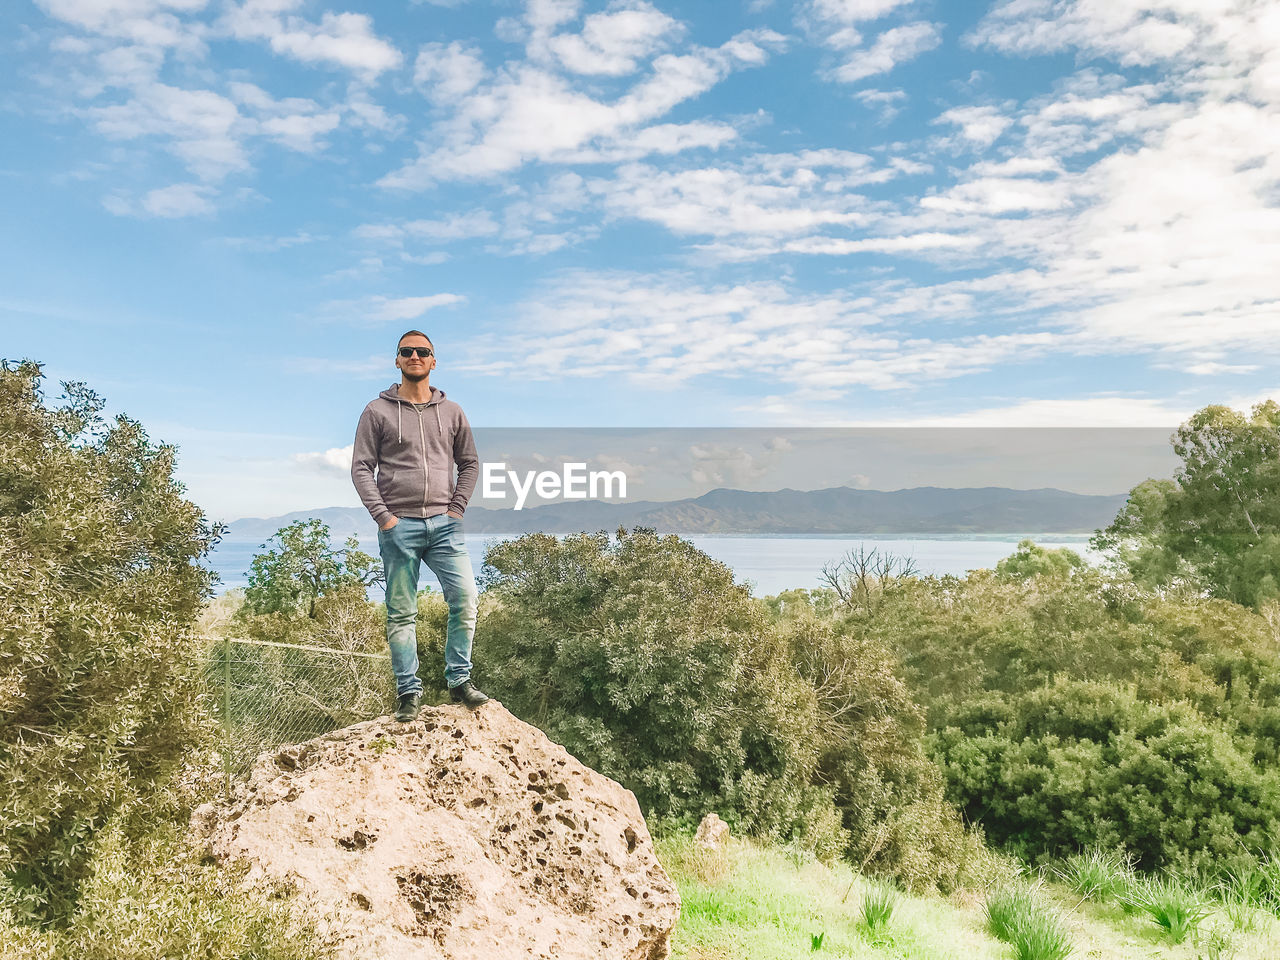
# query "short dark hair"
(414, 333)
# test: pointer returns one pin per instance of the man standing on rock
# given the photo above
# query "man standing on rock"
(413, 437)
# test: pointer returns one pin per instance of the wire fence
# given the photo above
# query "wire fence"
(266, 694)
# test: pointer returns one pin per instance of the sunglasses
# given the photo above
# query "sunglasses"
(423, 352)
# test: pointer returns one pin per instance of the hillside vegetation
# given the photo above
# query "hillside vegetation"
(1119, 726)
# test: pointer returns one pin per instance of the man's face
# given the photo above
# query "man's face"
(415, 367)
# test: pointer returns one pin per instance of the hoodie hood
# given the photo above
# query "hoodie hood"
(393, 393)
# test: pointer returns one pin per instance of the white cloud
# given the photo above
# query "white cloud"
(334, 461)
(299, 131)
(886, 102)
(207, 131)
(664, 139)
(1213, 368)
(341, 39)
(909, 243)
(446, 72)
(995, 196)
(125, 65)
(722, 463)
(363, 112)
(770, 195)
(199, 124)
(1134, 31)
(381, 309)
(150, 23)
(529, 114)
(852, 11)
(530, 223)
(456, 226)
(1163, 245)
(1169, 247)
(172, 202)
(179, 200)
(894, 46)
(543, 16)
(980, 124)
(613, 41)
(594, 325)
(1246, 403)
(270, 244)
(298, 122)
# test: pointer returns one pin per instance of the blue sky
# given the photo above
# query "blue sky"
(833, 212)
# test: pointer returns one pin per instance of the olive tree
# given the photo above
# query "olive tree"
(99, 587)
(300, 565)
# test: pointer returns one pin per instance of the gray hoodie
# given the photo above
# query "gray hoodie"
(414, 452)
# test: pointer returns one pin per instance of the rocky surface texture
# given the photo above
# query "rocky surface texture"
(459, 836)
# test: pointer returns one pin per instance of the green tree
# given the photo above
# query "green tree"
(863, 580)
(99, 587)
(1215, 527)
(304, 567)
(1032, 560)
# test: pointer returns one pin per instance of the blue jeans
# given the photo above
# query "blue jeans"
(438, 541)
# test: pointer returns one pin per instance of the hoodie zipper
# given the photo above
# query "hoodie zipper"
(426, 470)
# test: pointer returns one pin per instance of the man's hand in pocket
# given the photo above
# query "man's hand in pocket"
(394, 521)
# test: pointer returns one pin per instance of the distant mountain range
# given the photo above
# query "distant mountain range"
(837, 510)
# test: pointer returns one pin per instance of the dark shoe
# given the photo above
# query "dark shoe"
(407, 705)
(466, 692)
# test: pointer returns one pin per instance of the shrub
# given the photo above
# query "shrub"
(887, 789)
(995, 633)
(647, 662)
(1042, 937)
(1032, 560)
(153, 897)
(1082, 763)
(99, 695)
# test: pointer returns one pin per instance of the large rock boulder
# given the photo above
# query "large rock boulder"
(459, 836)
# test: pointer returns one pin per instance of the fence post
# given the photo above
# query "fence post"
(226, 712)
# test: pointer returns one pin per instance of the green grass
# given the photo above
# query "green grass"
(1099, 875)
(1173, 905)
(1017, 916)
(1243, 892)
(1005, 910)
(750, 901)
(1247, 889)
(877, 907)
